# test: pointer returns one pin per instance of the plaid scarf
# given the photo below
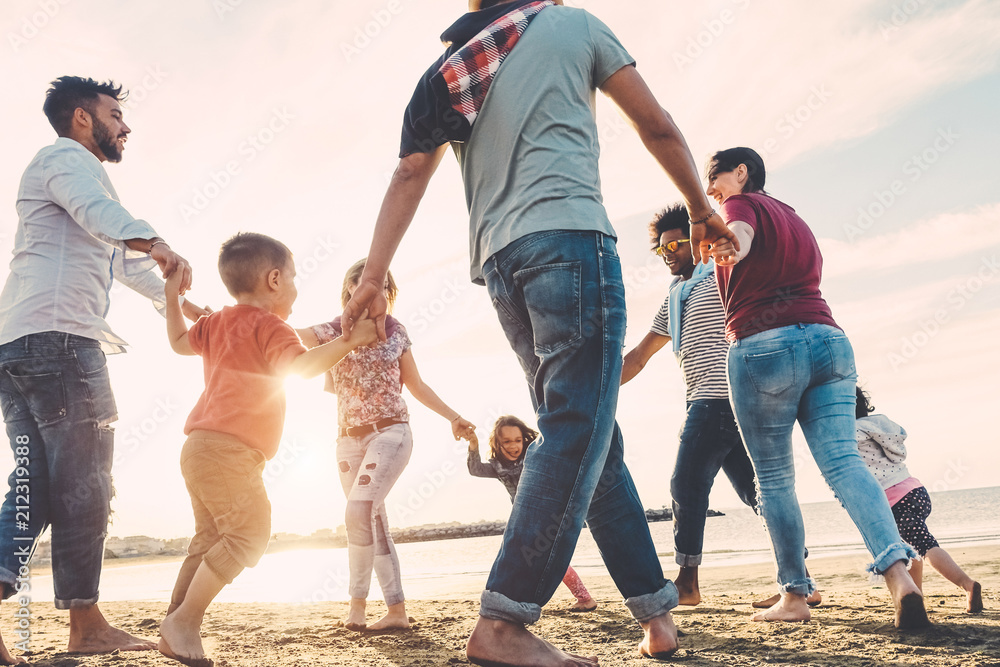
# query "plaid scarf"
(469, 72)
(451, 93)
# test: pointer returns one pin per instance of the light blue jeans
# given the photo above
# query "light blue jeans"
(369, 466)
(806, 372)
(561, 302)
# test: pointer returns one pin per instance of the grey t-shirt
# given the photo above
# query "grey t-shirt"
(530, 164)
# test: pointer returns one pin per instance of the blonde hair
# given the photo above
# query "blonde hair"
(354, 275)
(528, 434)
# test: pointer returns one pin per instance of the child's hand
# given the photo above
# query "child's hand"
(173, 285)
(462, 428)
(473, 442)
(363, 333)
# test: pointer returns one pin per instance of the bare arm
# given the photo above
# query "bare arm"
(410, 376)
(322, 358)
(406, 189)
(308, 337)
(664, 140)
(638, 356)
(177, 331)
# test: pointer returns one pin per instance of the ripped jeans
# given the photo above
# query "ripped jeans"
(369, 466)
(58, 409)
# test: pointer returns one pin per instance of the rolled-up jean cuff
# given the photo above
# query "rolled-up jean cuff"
(646, 607)
(685, 560)
(221, 562)
(894, 552)
(8, 582)
(801, 587)
(75, 604)
(499, 607)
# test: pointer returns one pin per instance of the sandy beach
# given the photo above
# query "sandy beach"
(852, 628)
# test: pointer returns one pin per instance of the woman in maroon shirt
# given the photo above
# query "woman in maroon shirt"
(790, 361)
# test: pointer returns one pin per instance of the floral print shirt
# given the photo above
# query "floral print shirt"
(367, 381)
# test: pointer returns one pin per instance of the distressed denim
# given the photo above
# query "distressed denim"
(709, 442)
(806, 372)
(561, 303)
(369, 466)
(57, 406)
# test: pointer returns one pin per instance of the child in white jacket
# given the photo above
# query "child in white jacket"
(880, 443)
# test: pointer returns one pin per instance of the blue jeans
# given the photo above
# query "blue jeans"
(709, 442)
(806, 372)
(561, 303)
(58, 407)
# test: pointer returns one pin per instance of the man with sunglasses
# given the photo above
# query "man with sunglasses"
(692, 318)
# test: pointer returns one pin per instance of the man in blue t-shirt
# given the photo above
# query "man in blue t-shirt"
(541, 242)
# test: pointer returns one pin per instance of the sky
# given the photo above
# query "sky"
(877, 123)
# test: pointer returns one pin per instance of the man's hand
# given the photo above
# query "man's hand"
(170, 263)
(368, 297)
(193, 312)
(705, 235)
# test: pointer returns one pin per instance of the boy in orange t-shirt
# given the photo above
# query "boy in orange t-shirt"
(236, 425)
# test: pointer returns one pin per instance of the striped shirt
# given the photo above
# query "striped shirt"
(703, 340)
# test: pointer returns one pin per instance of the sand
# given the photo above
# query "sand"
(852, 628)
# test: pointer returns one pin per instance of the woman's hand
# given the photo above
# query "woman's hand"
(724, 253)
(473, 442)
(462, 428)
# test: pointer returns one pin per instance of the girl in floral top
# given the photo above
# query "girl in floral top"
(509, 442)
(373, 447)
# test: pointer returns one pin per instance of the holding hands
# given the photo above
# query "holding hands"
(463, 428)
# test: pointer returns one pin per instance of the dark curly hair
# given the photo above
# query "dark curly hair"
(864, 405)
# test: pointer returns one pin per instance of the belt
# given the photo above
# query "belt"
(365, 429)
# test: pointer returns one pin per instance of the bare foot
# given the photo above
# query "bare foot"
(395, 619)
(356, 615)
(975, 599)
(583, 605)
(660, 637)
(181, 641)
(790, 608)
(910, 613)
(108, 640)
(686, 582)
(906, 598)
(813, 600)
(502, 644)
(7, 659)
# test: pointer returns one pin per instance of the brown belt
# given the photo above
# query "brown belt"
(365, 429)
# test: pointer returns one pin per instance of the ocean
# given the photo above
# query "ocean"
(449, 569)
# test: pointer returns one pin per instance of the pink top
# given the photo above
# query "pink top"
(367, 381)
(777, 283)
(896, 492)
(245, 350)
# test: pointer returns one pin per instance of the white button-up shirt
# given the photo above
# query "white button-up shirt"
(69, 249)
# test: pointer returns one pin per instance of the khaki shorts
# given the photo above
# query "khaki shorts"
(232, 515)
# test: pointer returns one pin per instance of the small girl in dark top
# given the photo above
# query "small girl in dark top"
(509, 442)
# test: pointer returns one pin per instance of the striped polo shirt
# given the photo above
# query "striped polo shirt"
(703, 340)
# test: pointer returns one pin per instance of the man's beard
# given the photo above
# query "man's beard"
(107, 143)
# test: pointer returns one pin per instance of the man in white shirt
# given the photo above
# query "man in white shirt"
(73, 240)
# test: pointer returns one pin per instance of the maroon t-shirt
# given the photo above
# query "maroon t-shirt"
(777, 283)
